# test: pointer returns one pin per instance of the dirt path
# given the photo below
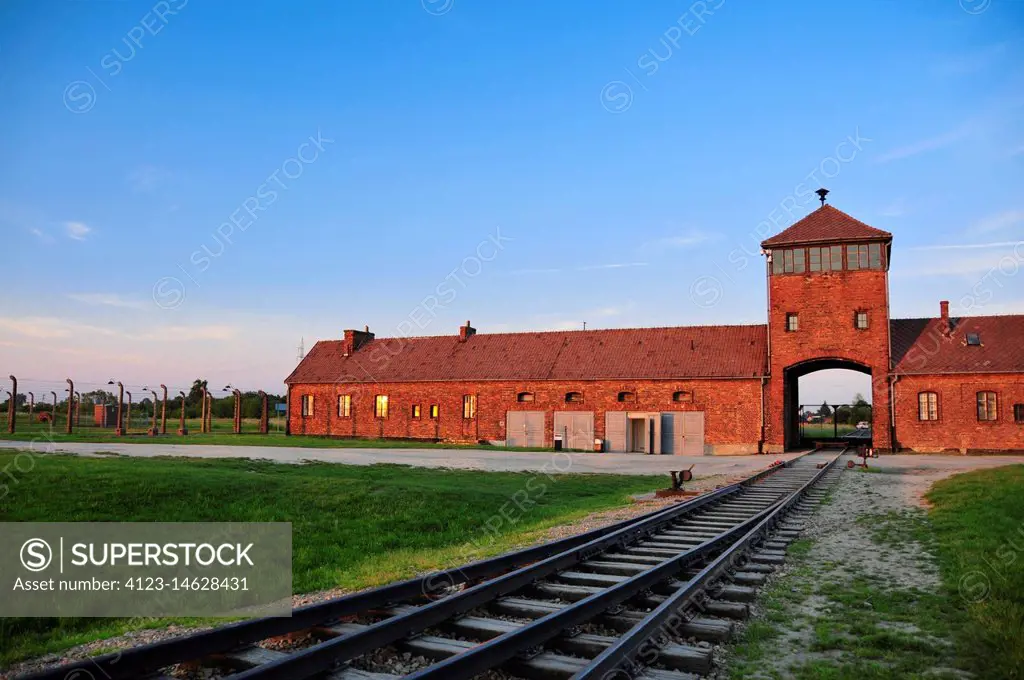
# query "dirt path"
(860, 591)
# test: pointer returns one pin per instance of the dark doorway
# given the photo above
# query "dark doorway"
(818, 419)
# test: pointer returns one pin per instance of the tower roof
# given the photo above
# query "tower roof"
(826, 224)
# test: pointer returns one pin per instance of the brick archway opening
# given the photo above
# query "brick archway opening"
(791, 392)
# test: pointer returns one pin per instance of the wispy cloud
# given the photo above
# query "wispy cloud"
(582, 268)
(969, 62)
(925, 145)
(613, 265)
(685, 240)
(969, 246)
(41, 235)
(1003, 220)
(897, 208)
(77, 230)
(147, 178)
(107, 300)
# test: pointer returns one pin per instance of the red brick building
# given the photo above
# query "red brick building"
(936, 384)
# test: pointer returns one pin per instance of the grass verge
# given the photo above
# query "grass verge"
(978, 521)
(353, 527)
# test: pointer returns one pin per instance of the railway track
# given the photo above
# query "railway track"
(646, 597)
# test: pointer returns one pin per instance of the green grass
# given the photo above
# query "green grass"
(821, 431)
(353, 527)
(978, 521)
(222, 434)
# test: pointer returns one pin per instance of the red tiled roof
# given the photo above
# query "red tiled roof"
(635, 353)
(824, 225)
(919, 346)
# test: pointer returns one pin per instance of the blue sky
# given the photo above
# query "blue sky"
(190, 188)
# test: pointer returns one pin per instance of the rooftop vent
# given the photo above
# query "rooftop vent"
(974, 339)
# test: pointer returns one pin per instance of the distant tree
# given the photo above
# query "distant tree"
(859, 400)
(843, 414)
(195, 395)
(824, 411)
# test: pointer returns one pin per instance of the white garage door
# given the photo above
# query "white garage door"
(682, 433)
(576, 428)
(525, 428)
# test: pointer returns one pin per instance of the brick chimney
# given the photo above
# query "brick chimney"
(466, 332)
(944, 315)
(356, 339)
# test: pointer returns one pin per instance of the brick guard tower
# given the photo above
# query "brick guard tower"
(828, 307)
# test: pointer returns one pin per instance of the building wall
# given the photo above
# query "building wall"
(826, 303)
(732, 408)
(958, 428)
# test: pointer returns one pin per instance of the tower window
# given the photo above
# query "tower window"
(837, 258)
(875, 255)
(860, 321)
(814, 258)
(927, 406)
(798, 260)
(987, 406)
(792, 322)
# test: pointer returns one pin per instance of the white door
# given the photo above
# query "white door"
(524, 428)
(693, 433)
(576, 428)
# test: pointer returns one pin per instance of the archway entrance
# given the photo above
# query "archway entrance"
(825, 408)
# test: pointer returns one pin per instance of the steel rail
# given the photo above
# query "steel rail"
(628, 646)
(327, 655)
(156, 655)
(492, 653)
(149, 658)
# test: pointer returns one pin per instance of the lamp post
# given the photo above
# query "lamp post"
(202, 413)
(152, 428)
(31, 405)
(209, 413)
(128, 429)
(263, 412)
(119, 427)
(78, 409)
(163, 412)
(181, 428)
(238, 407)
(71, 403)
(11, 405)
(53, 416)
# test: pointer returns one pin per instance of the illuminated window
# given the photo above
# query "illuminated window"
(345, 405)
(927, 406)
(380, 406)
(861, 321)
(469, 406)
(792, 322)
(987, 409)
(307, 404)
(415, 410)
(574, 396)
(435, 411)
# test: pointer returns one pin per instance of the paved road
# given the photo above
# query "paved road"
(464, 459)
